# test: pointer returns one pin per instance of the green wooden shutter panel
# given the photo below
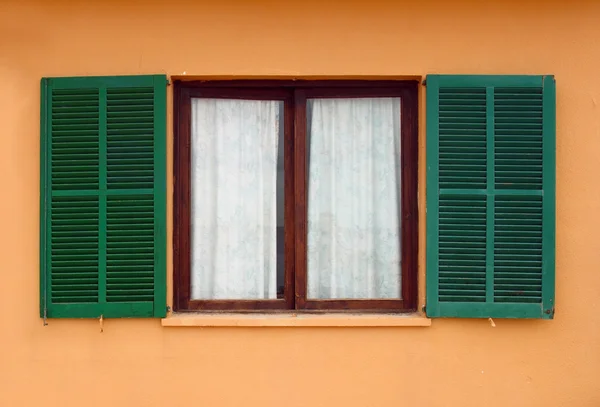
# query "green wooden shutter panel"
(103, 197)
(490, 196)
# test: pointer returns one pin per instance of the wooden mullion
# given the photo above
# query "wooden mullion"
(300, 197)
(289, 204)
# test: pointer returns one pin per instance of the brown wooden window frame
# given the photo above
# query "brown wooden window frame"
(294, 95)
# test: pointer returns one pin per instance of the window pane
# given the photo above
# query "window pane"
(354, 198)
(237, 199)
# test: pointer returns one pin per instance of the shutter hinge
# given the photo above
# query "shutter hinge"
(424, 309)
(168, 82)
(550, 311)
(168, 309)
(424, 83)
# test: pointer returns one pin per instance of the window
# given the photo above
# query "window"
(295, 195)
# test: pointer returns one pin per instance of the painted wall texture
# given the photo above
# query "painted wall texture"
(452, 363)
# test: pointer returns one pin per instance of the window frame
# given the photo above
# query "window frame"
(294, 94)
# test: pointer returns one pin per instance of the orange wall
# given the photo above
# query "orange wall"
(453, 362)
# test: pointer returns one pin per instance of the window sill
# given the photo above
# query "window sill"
(295, 320)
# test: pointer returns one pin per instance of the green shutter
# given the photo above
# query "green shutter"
(103, 197)
(490, 196)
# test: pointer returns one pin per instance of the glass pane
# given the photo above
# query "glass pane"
(237, 199)
(354, 198)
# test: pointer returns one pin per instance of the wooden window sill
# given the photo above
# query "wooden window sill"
(295, 320)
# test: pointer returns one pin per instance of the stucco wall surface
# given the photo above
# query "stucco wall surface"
(452, 363)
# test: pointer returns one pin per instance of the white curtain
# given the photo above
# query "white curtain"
(354, 198)
(233, 212)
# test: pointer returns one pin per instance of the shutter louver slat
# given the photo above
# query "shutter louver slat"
(130, 267)
(75, 139)
(462, 138)
(490, 196)
(462, 254)
(74, 163)
(130, 166)
(518, 249)
(74, 250)
(130, 139)
(518, 143)
(103, 197)
(518, 220)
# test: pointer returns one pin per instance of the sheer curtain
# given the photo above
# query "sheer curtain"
(354, 198)
(234, 147)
